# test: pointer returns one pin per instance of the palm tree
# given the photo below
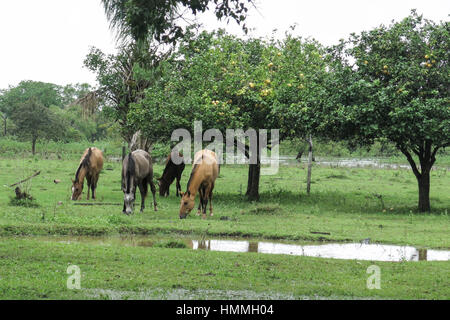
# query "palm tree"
(158, 18)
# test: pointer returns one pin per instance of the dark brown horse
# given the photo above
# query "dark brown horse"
(203, 176)
(137, 171)
(90, 166)
(171, 171)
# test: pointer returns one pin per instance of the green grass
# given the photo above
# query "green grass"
(37, 270)
(344, 203)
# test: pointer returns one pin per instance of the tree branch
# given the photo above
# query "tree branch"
(411, 161)
(30, 177)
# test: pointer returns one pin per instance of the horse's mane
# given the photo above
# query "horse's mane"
(166, 168)
(131, 168)
(194, 169)
(86, 162)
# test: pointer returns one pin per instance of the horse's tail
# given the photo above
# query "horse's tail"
(131, 168)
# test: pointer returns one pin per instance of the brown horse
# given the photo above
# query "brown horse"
(204, 174)
(137, 171)
(90, 166)
(171, 171)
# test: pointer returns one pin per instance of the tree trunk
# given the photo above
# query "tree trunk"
(254, 173)
(424, 191)
(249, 179)
(427, 158)
(253, 181)
(33, 146)
(310, 159)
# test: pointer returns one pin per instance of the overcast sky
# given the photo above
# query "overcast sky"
(47, 40)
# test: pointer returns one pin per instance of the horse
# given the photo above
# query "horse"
(203, 176)
(91, 164)
(171, 171)
(137, 171)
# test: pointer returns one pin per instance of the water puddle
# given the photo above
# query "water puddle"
(346, 251)
(377, 163)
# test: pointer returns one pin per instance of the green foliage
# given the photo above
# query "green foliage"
(26, 203)
(159, 19)
(47, 94)
(121, 79)
(227, 82)
(392, 83)
(170, 244)
(33, 120)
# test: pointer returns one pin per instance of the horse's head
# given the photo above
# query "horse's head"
(77, 189)
(163, 187)
(187, 204)
(128, 202)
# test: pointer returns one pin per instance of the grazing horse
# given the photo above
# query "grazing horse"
(137, 171)
(204, 174)
(171, 171)
(90, 166)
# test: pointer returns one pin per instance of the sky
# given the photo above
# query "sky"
(47, 40)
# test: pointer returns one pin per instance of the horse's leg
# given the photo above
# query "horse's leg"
(96, 182)
(200, 204)
(178, 185)
(153, 189)
(143, 188)
(204, 197)
(88, 178)
(207, 195)
(94, 185)
(210, 201)
(205, 204)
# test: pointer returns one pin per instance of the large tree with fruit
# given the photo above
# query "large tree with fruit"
(393, 83)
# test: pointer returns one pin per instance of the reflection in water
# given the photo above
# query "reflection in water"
(352, 251)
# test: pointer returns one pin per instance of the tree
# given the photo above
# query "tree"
(229, 83)
(299, 82)
(33, 121)
(46, 94)
(392, 82)
(208, 79)
(159, 19)
(123, 78)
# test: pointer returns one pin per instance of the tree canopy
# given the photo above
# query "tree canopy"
(230, 83)
(161, 19)
(393, 83)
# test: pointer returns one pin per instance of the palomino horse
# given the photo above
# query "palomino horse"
(204, 174)
(171, 171)
(137, 171)
(90, 166)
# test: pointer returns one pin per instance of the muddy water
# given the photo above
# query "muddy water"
(347, 251)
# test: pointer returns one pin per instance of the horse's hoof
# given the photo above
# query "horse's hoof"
(211, 214)
(204, 216)
(156, 209)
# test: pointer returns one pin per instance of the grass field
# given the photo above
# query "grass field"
(344, 203)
